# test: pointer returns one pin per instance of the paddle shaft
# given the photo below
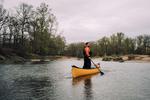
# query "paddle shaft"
(93, 62)
(102, 73)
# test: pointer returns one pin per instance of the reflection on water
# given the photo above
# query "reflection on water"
(80, 80)
(88, 93)
(87, 82)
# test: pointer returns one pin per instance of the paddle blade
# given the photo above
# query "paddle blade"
(102, 73)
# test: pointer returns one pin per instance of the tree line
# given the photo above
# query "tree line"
(26, 29)
(116, 44)
(30, 30)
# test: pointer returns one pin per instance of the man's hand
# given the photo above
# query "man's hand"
(89, 57)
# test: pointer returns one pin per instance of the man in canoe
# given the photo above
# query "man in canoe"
(87, 54)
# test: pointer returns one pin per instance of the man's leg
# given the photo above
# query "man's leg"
(88, 64)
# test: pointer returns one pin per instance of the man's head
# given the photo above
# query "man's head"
(87, 44)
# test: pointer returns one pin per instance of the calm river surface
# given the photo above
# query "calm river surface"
(52, 81)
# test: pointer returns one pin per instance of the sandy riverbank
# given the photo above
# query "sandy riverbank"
(136, 58)
(139, 58)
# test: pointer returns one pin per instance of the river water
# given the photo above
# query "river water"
(53, 81)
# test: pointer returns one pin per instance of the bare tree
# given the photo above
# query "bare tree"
(24, 12)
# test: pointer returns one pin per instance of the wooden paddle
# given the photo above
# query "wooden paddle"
(102, 73)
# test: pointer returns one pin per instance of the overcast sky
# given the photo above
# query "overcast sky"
(87, 20)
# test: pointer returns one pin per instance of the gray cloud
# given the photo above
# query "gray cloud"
(86, 20)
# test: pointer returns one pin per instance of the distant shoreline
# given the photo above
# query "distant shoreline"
(124, 58)
(14, 59)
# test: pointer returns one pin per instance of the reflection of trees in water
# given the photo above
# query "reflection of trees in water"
(29, 88)
(88, 94)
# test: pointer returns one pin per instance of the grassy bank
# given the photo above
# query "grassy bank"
(13, 58)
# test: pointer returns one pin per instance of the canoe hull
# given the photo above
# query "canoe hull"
(78, 72)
